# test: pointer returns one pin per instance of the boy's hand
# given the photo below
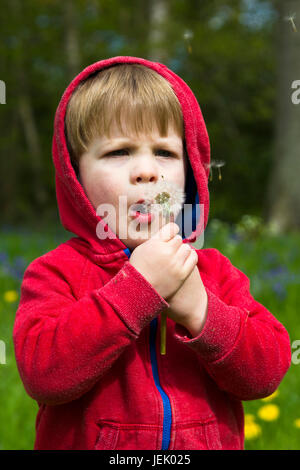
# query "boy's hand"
(188, 306)
(164, 260)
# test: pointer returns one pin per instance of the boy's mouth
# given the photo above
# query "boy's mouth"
(143, 218)
(141, 211)
(141, 206)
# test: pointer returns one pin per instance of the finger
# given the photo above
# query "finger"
(167, 232)
(176, 241)
(190, 261)
(184, 252)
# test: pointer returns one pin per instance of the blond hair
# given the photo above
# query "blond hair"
(130, 93)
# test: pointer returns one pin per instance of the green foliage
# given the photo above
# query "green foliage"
(18, 411)
(228, 59)
(229, 63)
(272, 264)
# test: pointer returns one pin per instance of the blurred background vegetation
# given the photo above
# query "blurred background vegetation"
(229, 53)
(240, 58)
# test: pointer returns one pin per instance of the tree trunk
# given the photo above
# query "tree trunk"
(26, 114)
(71, 38)
(158, 18)
(282, 208)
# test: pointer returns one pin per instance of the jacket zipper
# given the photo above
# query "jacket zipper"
(167, 419)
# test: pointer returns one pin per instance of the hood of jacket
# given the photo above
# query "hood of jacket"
(76, 212)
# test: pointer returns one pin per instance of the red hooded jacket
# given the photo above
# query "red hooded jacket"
(86, 333)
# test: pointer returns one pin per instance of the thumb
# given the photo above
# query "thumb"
(167, 232)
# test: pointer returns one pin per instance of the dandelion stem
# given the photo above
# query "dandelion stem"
(163, 331)
(169, 198)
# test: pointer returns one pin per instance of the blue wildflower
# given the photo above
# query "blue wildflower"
(279, 289)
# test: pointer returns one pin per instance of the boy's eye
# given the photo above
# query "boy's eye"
(166, 152)
(119, 152)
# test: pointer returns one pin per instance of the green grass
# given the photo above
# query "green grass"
(18, 411)
(271, 262)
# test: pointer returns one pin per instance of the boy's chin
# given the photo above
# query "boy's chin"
(136, 237)
(139, 237)
(133, 243)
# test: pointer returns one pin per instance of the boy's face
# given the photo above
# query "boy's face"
(121, 166)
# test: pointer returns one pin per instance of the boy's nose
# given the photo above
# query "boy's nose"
(145, 173)
(144, 178)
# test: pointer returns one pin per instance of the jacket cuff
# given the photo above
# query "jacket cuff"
(219, 333)
(133, 298)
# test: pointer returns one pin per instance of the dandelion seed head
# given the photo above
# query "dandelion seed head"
(166, 196)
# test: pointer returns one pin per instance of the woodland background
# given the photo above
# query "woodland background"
(241, 59)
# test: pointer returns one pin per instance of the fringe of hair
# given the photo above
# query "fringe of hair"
(123, 93)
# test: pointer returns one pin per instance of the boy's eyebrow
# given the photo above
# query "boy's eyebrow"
(127, 141)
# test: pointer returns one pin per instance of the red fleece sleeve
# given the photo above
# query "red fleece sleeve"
(243, 347)
(63, 346)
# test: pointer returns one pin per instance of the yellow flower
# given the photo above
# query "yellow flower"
(10, 296)
(270, 397)
(252, 429)
(268, 412)
(297, 423)
(249, 418)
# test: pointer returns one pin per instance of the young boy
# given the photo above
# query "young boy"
(86, 333)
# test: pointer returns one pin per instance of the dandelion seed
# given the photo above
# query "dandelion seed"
(208, 166)
(291, 19)
(217, 164)
(187, 36)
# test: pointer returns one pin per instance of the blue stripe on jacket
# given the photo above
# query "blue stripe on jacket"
(167, 419)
